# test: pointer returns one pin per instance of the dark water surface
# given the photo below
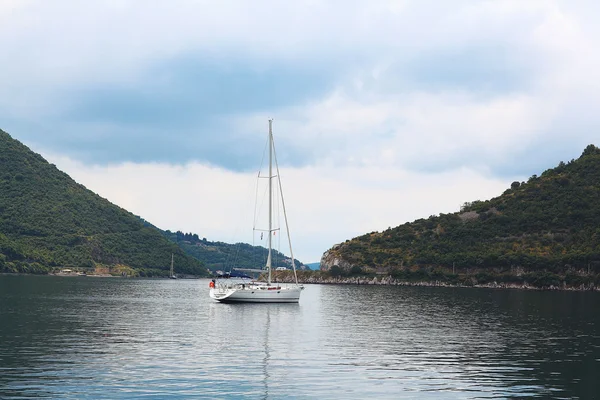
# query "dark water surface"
(84, 337)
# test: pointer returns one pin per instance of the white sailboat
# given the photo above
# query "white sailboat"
(251, 291)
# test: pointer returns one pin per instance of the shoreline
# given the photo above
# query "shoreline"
(389, 281)
(186, 277)
(366, 281)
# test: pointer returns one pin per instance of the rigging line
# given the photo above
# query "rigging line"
(278, 211)
(280, 256)
(258, 208)
(242, 218)
(255, 203)
(287, 227)
(262, 161)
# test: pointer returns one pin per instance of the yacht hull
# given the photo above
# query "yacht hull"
(257, 295)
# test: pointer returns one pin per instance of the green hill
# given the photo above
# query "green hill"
(222, 256)
(542, 232)
(48, 221)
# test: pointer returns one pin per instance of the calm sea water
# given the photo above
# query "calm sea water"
(83, 337)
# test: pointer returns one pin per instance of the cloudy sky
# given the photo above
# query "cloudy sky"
(384, 111)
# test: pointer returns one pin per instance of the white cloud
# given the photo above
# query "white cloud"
(71, 41)
(410, 130)
(374, 117)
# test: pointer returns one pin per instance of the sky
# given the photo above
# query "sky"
(384, 111)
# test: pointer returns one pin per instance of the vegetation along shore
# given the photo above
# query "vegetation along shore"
(543, 233)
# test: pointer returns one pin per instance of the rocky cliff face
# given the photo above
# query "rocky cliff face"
(332, 257)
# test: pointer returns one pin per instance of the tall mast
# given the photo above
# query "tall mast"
(171, 264)
(270, 197)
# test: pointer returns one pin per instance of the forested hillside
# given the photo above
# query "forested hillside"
(224, 256)
(48, 221)
(545, 230)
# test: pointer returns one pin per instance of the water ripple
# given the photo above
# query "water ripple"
(115, 338)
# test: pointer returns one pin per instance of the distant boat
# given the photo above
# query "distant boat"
(172, 275)
(245, 290)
